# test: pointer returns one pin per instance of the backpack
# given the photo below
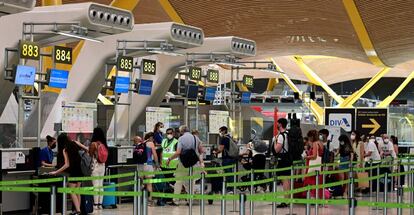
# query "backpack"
(86, 163)
(102, 153)
(327, 156)
(260, 146)
(140, 154)
(295, 144)
(189, 157)
(233, 150)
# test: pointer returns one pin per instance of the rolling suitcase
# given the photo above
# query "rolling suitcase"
(109, 202)
(86, 204)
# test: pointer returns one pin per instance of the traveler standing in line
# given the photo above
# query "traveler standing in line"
(151, 161)
(346, 154)
(358, 147)
(186, 144)
(224, 149)
(169, 146)
(46, 154)
(386, 147)
(98, 162)
(281, 151)
(158, 136)
(314, 157)
(401, 167)
(371, 154)
(69, 161)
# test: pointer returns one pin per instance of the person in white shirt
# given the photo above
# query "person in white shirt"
(386, 148)
(372, 157)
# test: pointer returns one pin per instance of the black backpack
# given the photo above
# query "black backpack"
(86, 163)
(295, 143)
(328, 156)
(189, 157)
(140, 154)
(260, 146)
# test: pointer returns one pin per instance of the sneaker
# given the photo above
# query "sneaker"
(173, 204)
(96, 207)
(282, 205)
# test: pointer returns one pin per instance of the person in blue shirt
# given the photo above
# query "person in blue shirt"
(46, 154)
(158, 135)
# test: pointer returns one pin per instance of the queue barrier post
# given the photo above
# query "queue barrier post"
(399, 171)
(203, 178)
(307, 204)
(53, 200)
(64, 195)
(145, 202)
(351, 189)
(135, 206)
(190, 188)
(400, 195)
(324, 168)
(370, 175)
(392, 169)
(378, 185)
(385, 192)
(139, 197)
(317, 192)
(223, 201)
(274, 191)
(411, 176)
(291, 188)
(242, 205)
(235, 179)
(251, 191)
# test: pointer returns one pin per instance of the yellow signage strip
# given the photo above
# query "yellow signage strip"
(362, 32)
(348, 102)
(169, 9)
(390, 98)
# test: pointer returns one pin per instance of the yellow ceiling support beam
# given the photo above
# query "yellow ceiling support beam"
(242, 87)
(51, 2)
(271, 83)
(362, 32)
(310, 73)
(348, 102)
(390, 98)
(317, 110)
(127, 5)
(169, 9)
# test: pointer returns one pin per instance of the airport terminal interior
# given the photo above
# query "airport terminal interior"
(146, 107)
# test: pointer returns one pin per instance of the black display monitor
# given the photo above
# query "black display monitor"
(192, 91)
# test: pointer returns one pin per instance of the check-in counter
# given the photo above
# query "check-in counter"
(120, 160)
(16, 164)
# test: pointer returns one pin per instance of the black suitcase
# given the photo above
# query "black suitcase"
(86, 204)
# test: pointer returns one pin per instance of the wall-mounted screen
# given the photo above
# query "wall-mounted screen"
(192, 91)
(25, 75)
(210, 93)
(145, 87)
(121, 84)
(245, 97)
(58, 78)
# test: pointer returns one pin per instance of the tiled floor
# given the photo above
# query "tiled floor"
(259, 209)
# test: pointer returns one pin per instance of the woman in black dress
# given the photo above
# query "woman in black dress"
(69, 161)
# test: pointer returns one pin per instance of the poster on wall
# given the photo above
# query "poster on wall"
(157, 114)
(78, 117)
(217, 119)
(340, 117)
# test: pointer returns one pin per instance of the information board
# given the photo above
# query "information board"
(58, 78)
(25, 75)
(121, 84)
(341, 117)
(62, 55)
(157, 114)
(213, 76)
(372, 121)
(149, 67)
(145, 87)
(210, 94)
(195, 73)
(29, 50)
(245, 97)
(125, 64)
(78, 117)
(248, 81)
(217, 119)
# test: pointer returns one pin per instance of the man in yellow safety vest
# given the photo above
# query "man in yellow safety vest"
(169, 146)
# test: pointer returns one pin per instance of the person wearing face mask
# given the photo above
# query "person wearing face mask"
(386, 147)
(358, 147)
(46, 154)
(346, 154)
(169, 146)
(372, 157)
(158, 136)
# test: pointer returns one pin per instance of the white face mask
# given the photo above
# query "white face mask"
(342, 143)
(321, 138)
(371, 140)
(386, 140)
(170, 136)
(352, 137)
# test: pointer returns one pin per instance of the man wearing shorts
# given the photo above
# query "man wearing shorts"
(281, 149)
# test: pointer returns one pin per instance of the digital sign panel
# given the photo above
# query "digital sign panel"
(210, 94)
(58, 78)
(25, 75)
(246, 97)
(121, 84)
(145, 87)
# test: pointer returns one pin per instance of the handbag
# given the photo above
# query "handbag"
(317, 161)
(189, 157)
(362, 183)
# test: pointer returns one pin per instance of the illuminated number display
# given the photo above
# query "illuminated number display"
(212, 76)
(62, 55)
(125, 63)
(195, 73)
(248, 81)
(29, 50)
(149, 66)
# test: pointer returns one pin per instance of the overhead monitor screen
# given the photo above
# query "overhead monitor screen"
(58, 78)
(245, 98)
(192, 91)
(25, 75)
(145, 87)
(121, 84)
(210, 94)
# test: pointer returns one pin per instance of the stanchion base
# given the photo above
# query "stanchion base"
(236, 211)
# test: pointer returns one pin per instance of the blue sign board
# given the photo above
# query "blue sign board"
(58, 78)
(121, 84)
(145, 87)
(25, 75)
(245, 98)
(210, 94)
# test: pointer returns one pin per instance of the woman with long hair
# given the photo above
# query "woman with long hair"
(358, 147)
(158, 136)
(401, 181)
(69, 161)
(314, 154)
(346, 154)
(98, 168)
